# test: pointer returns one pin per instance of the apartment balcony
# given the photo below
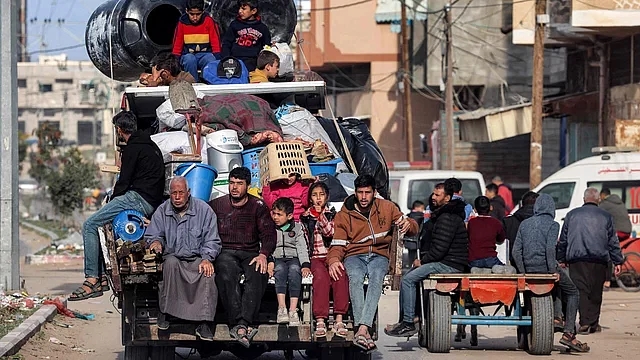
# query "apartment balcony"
(576, 21)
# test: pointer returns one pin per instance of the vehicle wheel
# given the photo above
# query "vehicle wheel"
(136, 352)
(439, 320)
(163, 352)
(423, 329)
(541, 335)
(629, 278)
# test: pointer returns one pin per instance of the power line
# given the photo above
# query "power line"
(58, 49)
(341, 6)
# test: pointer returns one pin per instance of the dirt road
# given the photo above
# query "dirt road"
(620, 319)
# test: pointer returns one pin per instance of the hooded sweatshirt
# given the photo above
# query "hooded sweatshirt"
(292, 243)
(498, 207)
(534, 250)
(614, 206)
(245, 39)
(202, 36)
(357, 234)
(142, 169)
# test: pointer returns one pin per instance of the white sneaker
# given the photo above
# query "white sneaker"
(294, 319)
(283, 317)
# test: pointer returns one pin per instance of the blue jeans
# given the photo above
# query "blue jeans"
(131, 200)
(288, 270)
(486, 263)
(358, 266)
(409, 282)
(192, 62)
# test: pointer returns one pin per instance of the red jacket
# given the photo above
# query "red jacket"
(298, 193)
(194, 38)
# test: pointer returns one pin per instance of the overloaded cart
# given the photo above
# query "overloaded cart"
(526, 299)
(271, 142)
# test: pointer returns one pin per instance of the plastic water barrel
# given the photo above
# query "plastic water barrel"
(200, 178)
(134, 31)
(128, 225)
(251, 160)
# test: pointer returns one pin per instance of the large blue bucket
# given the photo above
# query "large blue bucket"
(251, 160)
(200, 178)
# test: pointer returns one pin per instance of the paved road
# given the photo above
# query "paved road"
(620, 338)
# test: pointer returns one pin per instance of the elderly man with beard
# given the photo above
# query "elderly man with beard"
(184, 229)
(248, 238)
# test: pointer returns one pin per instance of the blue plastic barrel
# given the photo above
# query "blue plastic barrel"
(327, 167)
(251, 160)
(200, 178)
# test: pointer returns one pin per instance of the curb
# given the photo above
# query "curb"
(11, 343)
(50, 259)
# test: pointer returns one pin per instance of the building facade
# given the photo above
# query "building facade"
(72, 96)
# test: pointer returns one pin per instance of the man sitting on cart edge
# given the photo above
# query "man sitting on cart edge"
(248, 237)
(448, 253)
(185, 230)
(139, 187)
(534, 252)
(361, 242)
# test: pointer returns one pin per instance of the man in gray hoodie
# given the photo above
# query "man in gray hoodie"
(534, 252)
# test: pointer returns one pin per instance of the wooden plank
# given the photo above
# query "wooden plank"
(115, 269)
(186, 332)
(494, 276)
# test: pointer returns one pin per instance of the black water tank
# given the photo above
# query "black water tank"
(142, 28)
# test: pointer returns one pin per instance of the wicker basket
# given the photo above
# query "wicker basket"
(279, 160)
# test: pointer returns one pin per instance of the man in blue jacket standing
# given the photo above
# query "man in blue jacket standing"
(588, 241)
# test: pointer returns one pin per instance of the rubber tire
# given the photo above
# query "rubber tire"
(162, 352)
(439, 320)
(620, 283)
(541, 336)
(136, 352)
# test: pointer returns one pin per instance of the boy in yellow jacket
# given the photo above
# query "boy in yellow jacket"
(267, 68)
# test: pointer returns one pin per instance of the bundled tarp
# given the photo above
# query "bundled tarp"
(365, 152)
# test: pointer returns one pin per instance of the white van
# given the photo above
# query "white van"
(411, 185)
(616, 169)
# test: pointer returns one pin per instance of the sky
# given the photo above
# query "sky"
(53, 35)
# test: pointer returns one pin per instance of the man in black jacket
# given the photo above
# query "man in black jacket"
(448, 253)
(588, 241)
(139, 187)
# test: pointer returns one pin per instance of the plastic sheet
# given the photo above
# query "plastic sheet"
(365, 152)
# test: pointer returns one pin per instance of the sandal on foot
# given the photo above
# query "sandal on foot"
(361, 342)
(251, 333)
(321, 330)
(80, 293)
(570, 341)
(104, 283)
(243, 339)
(584, 330)
(371, 345)
(340, 329)
(558, 325)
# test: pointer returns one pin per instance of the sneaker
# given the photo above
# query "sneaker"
(294, 319)
(404, 330)
(282, 317)
(204, 332)
(163, 323)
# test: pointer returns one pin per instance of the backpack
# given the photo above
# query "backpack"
(226, 71)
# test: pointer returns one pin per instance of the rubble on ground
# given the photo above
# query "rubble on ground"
(71, 245)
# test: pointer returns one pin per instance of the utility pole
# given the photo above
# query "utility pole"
(535, 161)
(9, 241)
(406, 81)
(448, 101)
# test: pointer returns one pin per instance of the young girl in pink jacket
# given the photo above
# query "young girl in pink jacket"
(293, 188)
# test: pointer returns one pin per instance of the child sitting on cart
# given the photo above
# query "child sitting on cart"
(534, 252)
(293, 188)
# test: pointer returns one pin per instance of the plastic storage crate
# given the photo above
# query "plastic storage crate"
(278, 160)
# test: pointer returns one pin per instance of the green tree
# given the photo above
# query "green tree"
(44, 161)
(66, 186)
(22, 148)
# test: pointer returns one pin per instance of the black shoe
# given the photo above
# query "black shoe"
(404, 330)
(163, 323)
(204, 332)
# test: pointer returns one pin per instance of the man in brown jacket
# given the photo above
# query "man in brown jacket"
(361, 242)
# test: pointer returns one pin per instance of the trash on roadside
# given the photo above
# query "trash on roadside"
(80, 349)
(55, 341)
(63, 310)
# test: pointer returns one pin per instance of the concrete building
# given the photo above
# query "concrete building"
(72, 96)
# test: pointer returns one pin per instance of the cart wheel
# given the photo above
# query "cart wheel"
(439, 320)
(136, 352)
(163, 352)
(541, 335)
(629, 278)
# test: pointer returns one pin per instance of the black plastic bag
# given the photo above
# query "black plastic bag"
(336, 192)
(365, 152)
